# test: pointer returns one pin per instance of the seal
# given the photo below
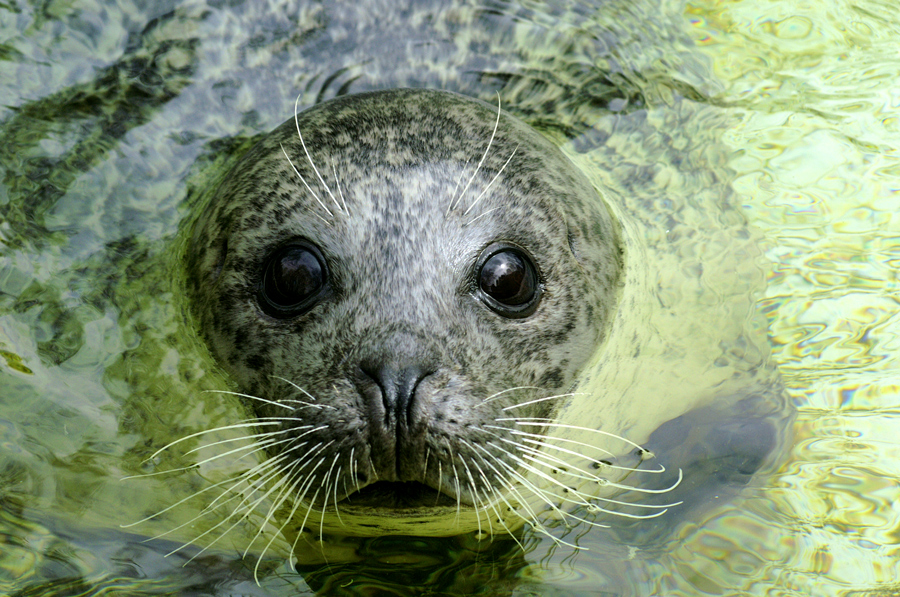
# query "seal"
(395, 280)
(411, 289)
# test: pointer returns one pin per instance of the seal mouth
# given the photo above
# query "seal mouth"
(398, 496)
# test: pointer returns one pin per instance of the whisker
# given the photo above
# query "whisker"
(248, 507)
(542, 495)
(303, 180)
(440, 482)
(196, 464)
(229, 440)
(538, 436)
(501, 392)
(337, 182)
(487, 486)
(372, 467)
(474, 493)
(509, 485)
(557, 464)
(337, 474)
(560, 466)
(242, 479)
(600, 463)
(458, 180)
(542, 422)
(287, 520)
(299, 389)
(500, 518)
(486, 151)
(530, 402)
(257, 447)
(651, 491)
(176, 504)
(493, 180)
(248, 396)
(337, 510)
(456, 482)
(354, 469)
(583, 501)
(279, 500)
(308, 157)
(482, 214)
(241, 425)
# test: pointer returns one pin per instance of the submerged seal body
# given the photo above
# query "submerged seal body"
(397, 278)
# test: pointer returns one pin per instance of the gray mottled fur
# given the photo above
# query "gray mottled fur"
(403, 280)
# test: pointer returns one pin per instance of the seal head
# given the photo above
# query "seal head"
(397, 279)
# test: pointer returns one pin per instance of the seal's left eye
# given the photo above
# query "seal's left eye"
(293, 280)
(508, 282)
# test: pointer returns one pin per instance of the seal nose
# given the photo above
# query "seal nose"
(398, 388)
(391, 371)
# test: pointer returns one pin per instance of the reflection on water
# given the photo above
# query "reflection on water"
(115, 112)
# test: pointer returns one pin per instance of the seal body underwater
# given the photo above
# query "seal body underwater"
(409, 288)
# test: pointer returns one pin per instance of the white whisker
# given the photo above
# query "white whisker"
(299, 389)
(337, 510)
(440, 482)
(249, 396)
(478, 167)
(354, 469)
(255, 438)
(646, 490)
(487, 485)
(309, 157)
(474, 493)
(542, 422)
(583, 498)
(290, 490)
(506, 391)
(530, 402)
(493, 180)
(458, 180)
(199, 433)
(458, 493)
(502, 479)
(244, 506)
(277, 502)
(176, 504)
(524, 434)
(337, 182)
(303, 180)
(482, 214)
(540, 494)
(328, 476)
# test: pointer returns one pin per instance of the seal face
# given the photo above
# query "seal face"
(395, 279)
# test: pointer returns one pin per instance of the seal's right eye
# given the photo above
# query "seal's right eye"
(293, 280)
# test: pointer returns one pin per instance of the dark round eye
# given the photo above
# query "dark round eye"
(509, 282)
(294, 277)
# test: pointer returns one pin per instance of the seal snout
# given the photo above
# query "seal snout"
(391, 375)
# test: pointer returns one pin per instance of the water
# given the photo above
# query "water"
(112, 113)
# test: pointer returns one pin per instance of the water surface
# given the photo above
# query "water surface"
(111, 114)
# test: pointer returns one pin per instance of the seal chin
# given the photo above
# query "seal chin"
(397, 497)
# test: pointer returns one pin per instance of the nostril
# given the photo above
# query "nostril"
(376, 372)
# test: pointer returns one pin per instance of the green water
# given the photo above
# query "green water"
(110, 114)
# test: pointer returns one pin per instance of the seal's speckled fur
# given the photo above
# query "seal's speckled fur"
(402, 262)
